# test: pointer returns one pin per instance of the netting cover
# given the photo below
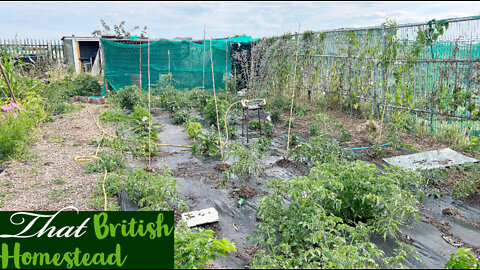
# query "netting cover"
(127, 64)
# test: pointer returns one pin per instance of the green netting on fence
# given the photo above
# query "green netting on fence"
(189, 63)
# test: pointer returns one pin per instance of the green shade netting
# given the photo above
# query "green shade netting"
(127, 64)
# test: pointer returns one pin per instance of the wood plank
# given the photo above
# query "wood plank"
(204, 216)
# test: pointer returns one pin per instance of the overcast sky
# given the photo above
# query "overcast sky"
(222, 19)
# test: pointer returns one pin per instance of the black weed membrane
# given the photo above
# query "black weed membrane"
(446, 224)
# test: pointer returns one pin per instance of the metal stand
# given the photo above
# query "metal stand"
(245, 120)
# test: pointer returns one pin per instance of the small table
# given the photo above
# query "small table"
(258, 106)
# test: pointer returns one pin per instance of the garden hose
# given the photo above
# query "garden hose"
(243, 102)
(95, 157)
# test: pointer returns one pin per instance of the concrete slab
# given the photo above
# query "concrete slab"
(204, 216)
(429, 160)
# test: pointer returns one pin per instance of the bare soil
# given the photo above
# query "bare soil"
(50, 178)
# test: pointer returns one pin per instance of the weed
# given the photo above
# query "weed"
(65, 107)
(57, 139)
(269, 128)
(313, 129)
(57, 194)
(338, 126)
(194, 129)
(114, 115)
(345, 136)
(276, 116)
(60, 180)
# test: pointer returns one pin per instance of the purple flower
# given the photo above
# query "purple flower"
(6, 108)
(31, 112)
(3, 116)
(15, 115)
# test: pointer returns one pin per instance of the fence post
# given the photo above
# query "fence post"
(374, 89)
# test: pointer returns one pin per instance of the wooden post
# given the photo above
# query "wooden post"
(8, 83)
(49, 49)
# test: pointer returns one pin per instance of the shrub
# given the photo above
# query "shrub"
(85, 85)
(15, 126)
(129, 97)
(180, 117)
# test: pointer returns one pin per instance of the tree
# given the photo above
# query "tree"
(119, 30)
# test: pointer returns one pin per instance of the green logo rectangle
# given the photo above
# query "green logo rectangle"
(86, 239)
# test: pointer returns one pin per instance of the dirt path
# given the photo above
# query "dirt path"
(50, 178)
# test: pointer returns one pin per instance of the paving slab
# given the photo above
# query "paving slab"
(430, 160)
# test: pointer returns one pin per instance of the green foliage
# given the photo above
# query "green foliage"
(195, 248)
(129, 97)
(313, 129)
(210, 113)
(345, 136)
(364, 192)
(65, 107)
(321, 119)
(276, 116)
(294, 139)
(464, 187)
(208, 143)
(107, 160)
(85, 85)
(298, 227)
(269, 128)
(322, 149)
(145, 138)
(245, 161)
(194, 129)
(15, 126)
(153, 191)
(180, 117)
(463, 259)
(261, 146)
(114, 115)
(254, 124)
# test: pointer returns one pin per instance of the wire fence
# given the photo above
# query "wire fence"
(431, 70)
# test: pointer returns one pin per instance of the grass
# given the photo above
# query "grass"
(57, 139)
(57, 194)
(60, 180)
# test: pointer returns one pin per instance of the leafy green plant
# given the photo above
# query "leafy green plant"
(269, 128)
(15, 125)
(129, 97)
(464, 187)
(211, 114)
(321, 119)
(313, 129)
(245, 161)
(208, 143)
(276, 116)
(194, 249)
(345, 136)
(107, 160)
(261, 146)
(254, 124)
(292, 123)
(322, 149)
(180, 117)
(65, 107)
(114, 115)
(194, 129)
(383, 198)
(463, 259)
(316, 238)
(85, 85)
(153, 191)
(294, 139)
